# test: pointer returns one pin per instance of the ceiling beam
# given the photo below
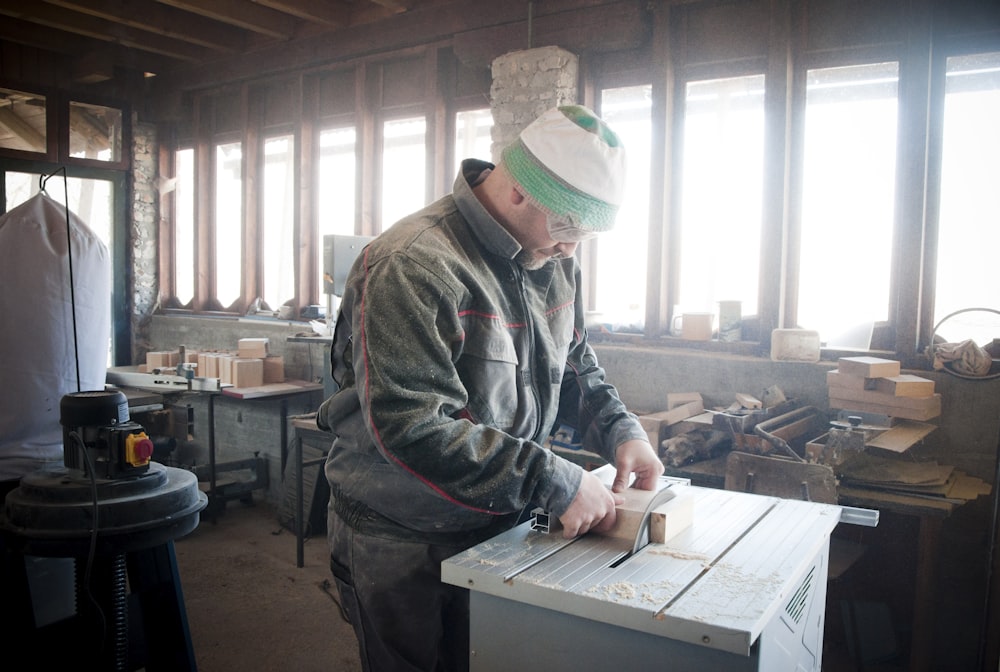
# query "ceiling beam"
(162, 20)
(395, 5)
(99, 29)
(246, 15)
(335, 14)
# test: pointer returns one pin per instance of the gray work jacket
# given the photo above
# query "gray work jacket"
(453, 365)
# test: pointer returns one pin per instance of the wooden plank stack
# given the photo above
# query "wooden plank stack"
(876, 385)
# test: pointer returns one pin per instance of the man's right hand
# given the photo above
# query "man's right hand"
(593, 508)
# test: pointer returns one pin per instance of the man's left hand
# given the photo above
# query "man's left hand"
(638, 457)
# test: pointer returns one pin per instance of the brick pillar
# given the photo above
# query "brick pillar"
(525, 84)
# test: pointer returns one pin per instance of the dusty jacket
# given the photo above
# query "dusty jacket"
(453, 365)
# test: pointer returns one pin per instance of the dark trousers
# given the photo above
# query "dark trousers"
(403, 616)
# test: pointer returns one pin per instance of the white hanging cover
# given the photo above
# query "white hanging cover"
(37, 359)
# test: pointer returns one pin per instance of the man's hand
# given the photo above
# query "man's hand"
(593, 508)
(636, 457)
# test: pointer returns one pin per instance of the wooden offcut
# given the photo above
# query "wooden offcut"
(253, 347)
(905, 385)
(666, 521)
(868, 367)
(247, 371)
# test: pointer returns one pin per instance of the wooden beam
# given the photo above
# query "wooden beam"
(22, 130)
(395, 5)
(249, 16)
(99, 29)
(336, 14)
(161, 20)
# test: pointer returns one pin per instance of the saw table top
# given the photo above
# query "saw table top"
(716, 584)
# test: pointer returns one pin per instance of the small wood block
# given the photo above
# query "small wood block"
(835, 378)
(675, 515)
(868, 367)
(252, 347)
(905, 385)
(247, 371)
(748, 400)
(672, 518)
(161, 359)
(675, 399)
(225, 368)
(274, 369)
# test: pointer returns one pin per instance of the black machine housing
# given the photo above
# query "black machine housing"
(96, 425)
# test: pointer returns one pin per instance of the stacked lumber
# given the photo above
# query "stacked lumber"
(876, 385)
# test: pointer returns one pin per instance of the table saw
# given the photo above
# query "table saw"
(742, 588)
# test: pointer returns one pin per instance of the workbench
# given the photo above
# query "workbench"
(131, 380)
(742, 588)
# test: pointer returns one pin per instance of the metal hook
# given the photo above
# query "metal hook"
(43, 179)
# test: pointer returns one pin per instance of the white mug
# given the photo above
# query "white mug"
(696, 326)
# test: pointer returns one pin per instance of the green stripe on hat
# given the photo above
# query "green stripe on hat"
(570, 164)
(552, 195)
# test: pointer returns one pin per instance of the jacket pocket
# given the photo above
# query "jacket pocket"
(488, 368)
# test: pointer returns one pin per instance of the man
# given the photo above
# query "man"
(459, 347)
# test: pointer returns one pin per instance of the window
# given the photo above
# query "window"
(720, 194)
(403, 168)
(335, 191)
(473, 138)
(620, 290)
(228, 222)
(184, 226)
(23, 121)
(968, 235)
(279, 220)
(95, 132)
(849, 172)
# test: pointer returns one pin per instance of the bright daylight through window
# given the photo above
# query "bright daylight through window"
(849, 173)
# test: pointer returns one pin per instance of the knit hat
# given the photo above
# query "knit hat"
(571, 166)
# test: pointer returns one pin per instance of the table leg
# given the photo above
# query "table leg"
(922, 635)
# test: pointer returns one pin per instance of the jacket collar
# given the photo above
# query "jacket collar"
(488, 230)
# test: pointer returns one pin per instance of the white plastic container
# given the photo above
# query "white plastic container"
(794, 345)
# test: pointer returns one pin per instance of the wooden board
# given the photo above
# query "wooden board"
(902, 436)
(929, 407)
(272, 390)
(868, 367)
(905, 385)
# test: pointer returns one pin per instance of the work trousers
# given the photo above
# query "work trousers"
(404, 617)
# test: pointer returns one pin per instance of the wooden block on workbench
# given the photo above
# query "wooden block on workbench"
(835, 378)
(252, 348)
(905, 385)
(674, 516)
(868, 367)
(224, 362)
(247, 371)
(657, 424)
(274, 369)
(161, 359)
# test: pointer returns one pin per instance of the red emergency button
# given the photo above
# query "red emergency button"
(138, 449)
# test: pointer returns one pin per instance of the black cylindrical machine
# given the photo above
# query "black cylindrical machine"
(99, 437)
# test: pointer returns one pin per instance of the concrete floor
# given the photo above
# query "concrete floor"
(250, 608)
